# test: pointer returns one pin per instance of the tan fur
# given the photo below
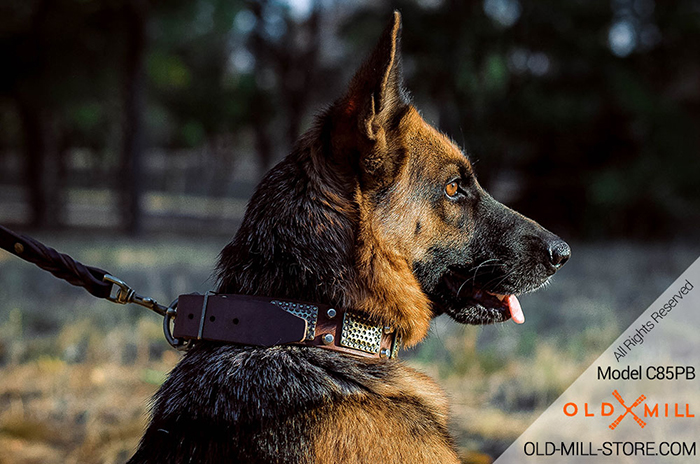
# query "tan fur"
(404, 417)
(387, 424)
(386, 242)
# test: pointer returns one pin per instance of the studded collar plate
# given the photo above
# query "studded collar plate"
(252, 320)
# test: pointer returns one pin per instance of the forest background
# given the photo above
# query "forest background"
(132, 133)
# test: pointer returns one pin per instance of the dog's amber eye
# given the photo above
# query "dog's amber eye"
(451, 189)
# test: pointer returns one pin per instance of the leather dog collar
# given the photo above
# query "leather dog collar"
(263, 321)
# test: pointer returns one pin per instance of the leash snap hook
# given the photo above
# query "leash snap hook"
(125, 294)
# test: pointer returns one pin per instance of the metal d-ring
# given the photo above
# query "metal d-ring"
(170, 314)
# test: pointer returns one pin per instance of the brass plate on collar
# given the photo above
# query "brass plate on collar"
(359, 333)
(396, 346)
(305, 311)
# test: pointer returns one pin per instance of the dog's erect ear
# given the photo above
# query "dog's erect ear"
(375, 92)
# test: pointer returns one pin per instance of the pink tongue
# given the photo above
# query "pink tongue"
(516, 312)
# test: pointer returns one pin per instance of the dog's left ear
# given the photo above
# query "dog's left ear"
(374, 97)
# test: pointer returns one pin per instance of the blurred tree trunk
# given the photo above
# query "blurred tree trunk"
(42, 165)
(34, 107)
(260, 114)
(263, 144)
(298, 66)
(131, 176)
(294, 59)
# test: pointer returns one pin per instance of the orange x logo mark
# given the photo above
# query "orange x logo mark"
(628, 410)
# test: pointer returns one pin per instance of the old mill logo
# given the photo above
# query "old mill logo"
(608, 409)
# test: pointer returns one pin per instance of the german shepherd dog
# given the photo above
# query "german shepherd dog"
(373, 210)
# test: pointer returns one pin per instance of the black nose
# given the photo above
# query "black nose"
(559, 253)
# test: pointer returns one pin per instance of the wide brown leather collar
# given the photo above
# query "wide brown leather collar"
(263, 321)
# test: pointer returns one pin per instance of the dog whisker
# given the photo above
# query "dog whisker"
(500, 279)
(489, 263)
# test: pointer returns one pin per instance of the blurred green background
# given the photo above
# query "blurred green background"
(132, 133)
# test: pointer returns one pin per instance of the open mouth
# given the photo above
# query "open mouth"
(510, 304)
(467, 301)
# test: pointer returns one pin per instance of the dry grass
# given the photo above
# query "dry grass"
(75, 381)
(54, 412)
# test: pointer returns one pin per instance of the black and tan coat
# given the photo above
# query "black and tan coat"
(377, 211)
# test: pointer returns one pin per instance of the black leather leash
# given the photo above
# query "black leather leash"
(239, 319)
(60, 265)
(96, 281)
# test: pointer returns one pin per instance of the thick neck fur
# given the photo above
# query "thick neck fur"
(298, 233)
(308, 235)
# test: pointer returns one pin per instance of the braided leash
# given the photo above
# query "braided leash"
(96, 281)
(60, 265)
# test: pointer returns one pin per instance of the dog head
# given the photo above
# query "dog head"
(428, 235)
(378, 211)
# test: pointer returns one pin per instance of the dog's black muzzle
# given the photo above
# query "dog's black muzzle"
(507, 254)
(527, 253)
